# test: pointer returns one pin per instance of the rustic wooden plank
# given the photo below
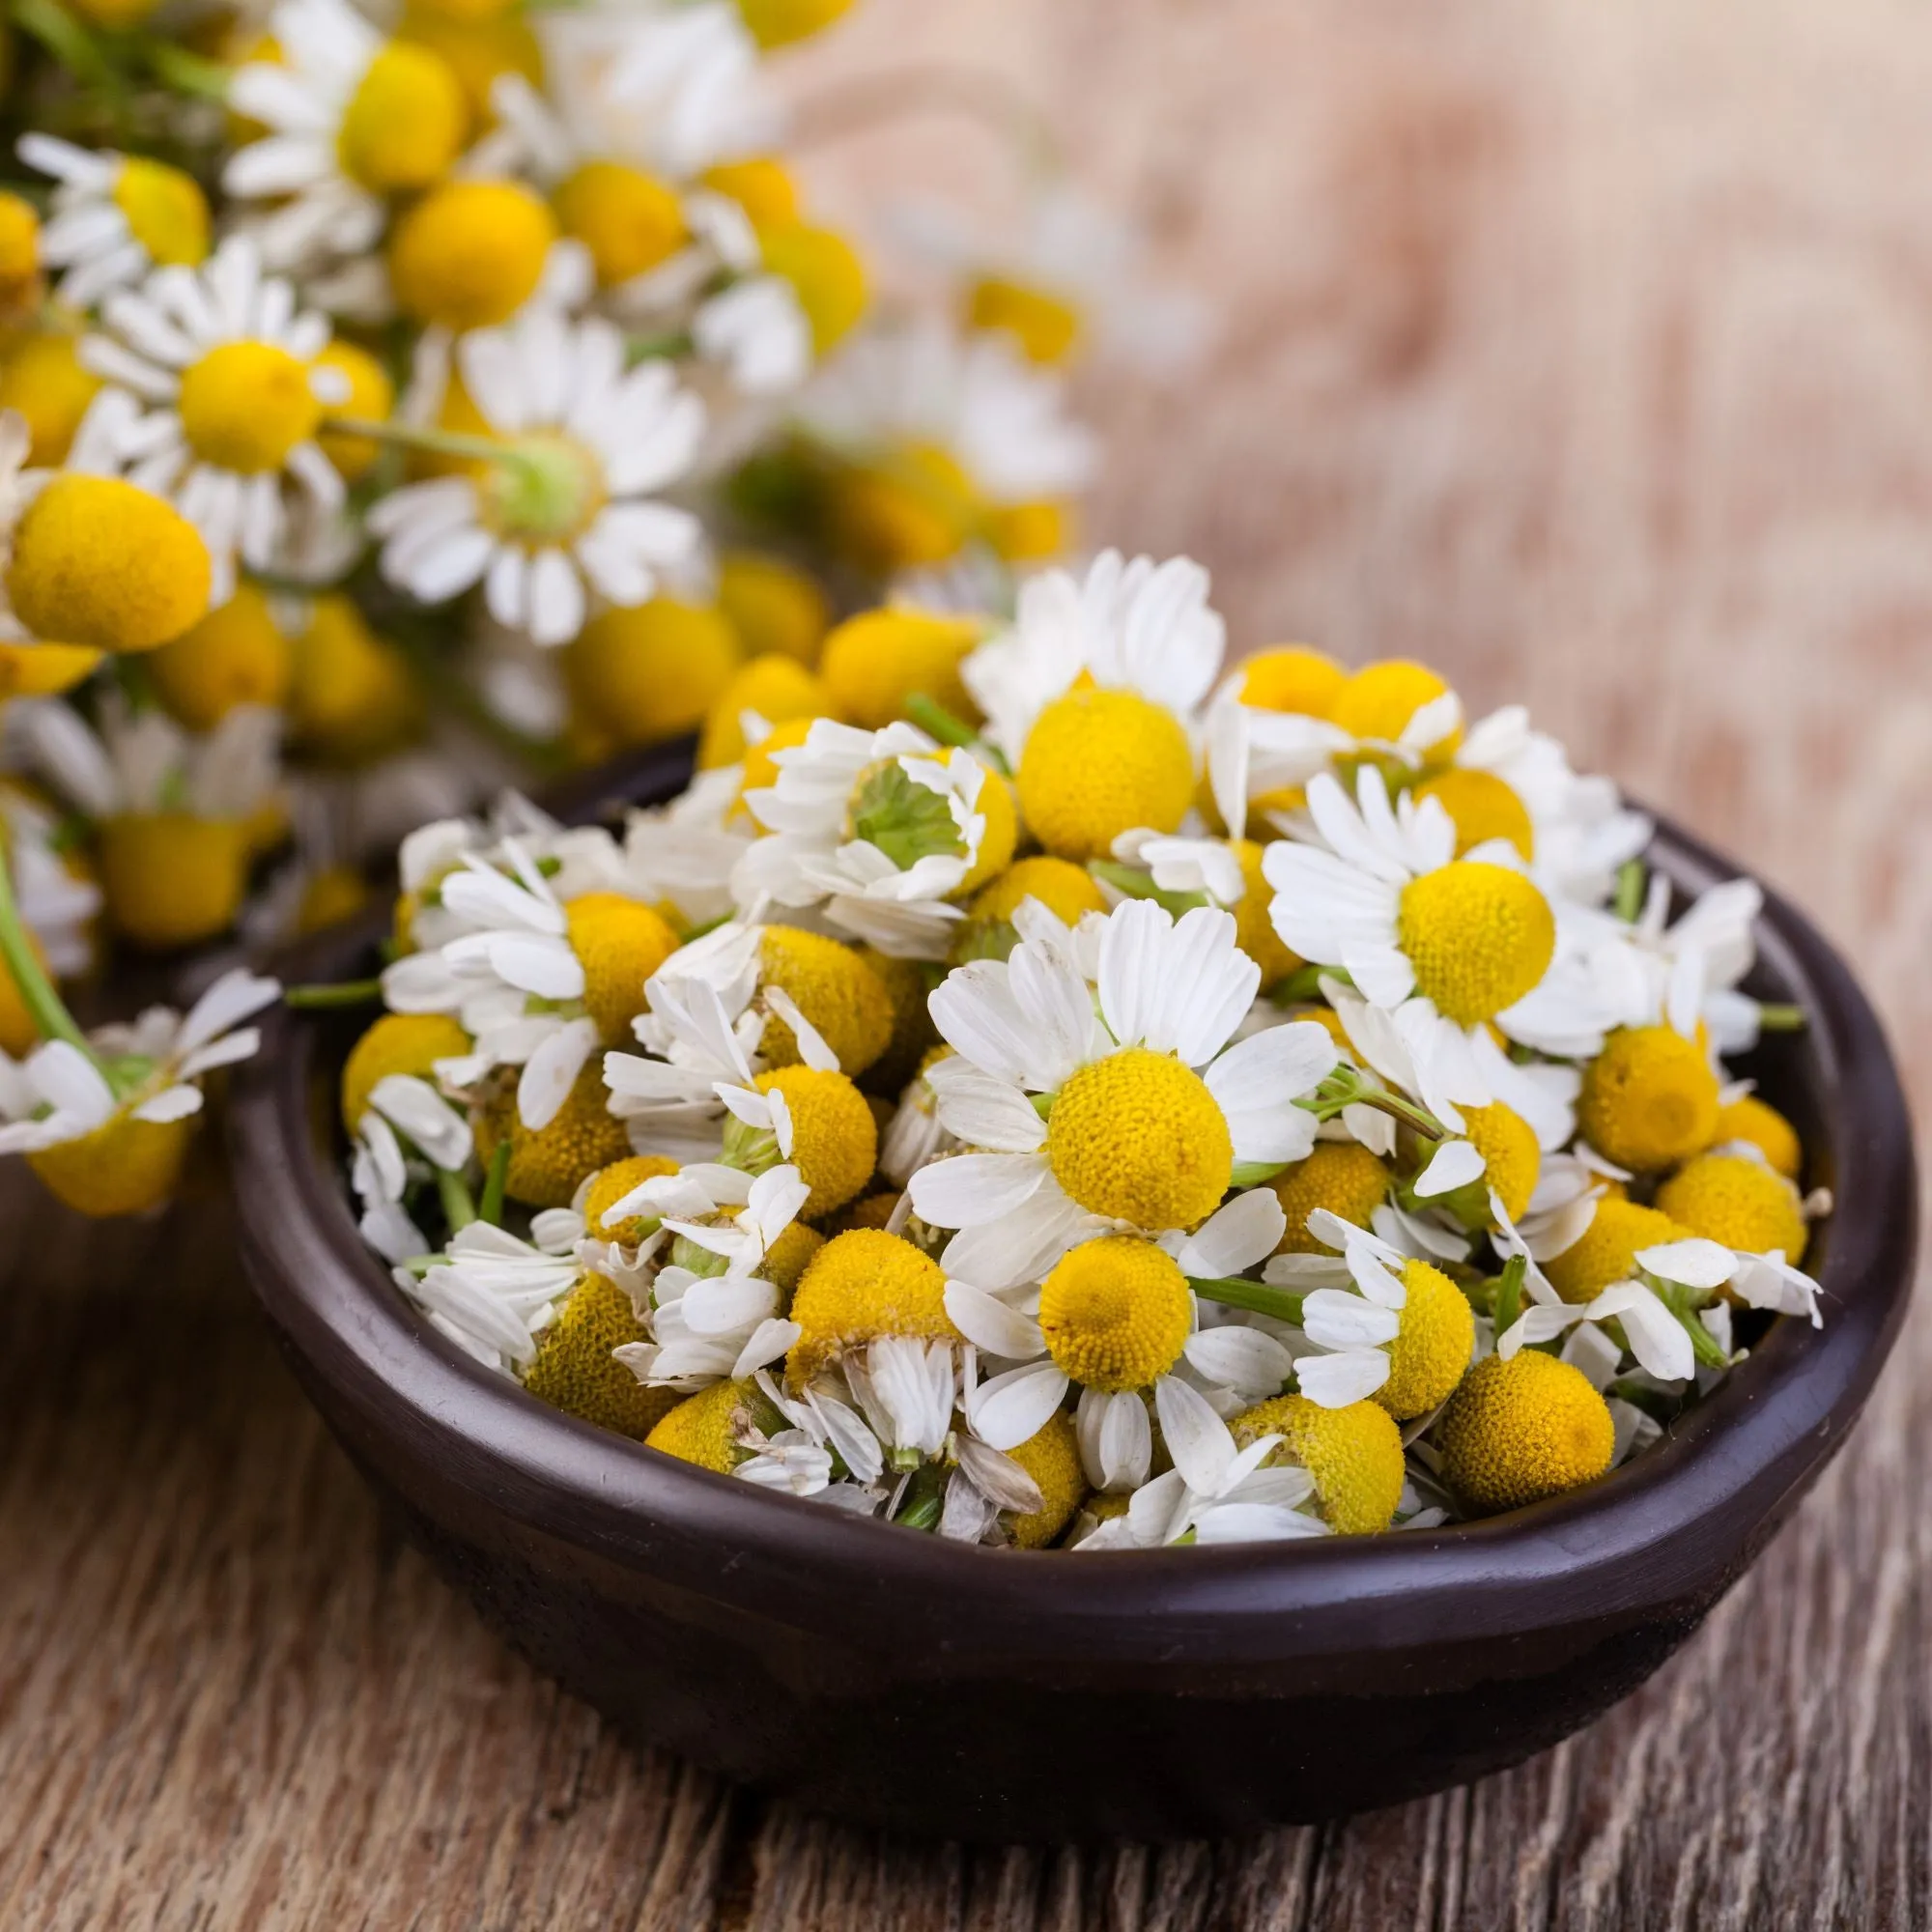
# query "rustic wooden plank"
(1584, 351)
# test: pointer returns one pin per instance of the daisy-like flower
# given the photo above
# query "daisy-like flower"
(104, 1122)
(673, 1099)
(114, 217)
(406, 1118)
(215, 400)
(881, 827)
(493, 1293)
(565, 506)
(57, 907)
(1145, 1115)
(1443, 944)
(354, 119)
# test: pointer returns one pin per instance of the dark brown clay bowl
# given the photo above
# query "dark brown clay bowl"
(892, 1679)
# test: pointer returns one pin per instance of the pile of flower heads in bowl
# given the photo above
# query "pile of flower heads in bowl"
(1109, 1103)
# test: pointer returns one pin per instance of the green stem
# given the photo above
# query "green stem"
(652, 348)
(495, 1182)
(923, 1498)
(44, 1005)
(1508, 1303)
(1139, 885)
(1630, 881)
(185, 72)
(410, 436)
(1258, 1297)
(1781, 1019)
(937, 721)
(1346, 1087)
(342, 993)
(458, 1208)
(1304, 984)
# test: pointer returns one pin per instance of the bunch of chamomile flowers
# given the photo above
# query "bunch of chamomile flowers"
(400, 403)
(1047, 1089)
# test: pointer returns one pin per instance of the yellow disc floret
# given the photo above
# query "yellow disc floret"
(1065, 889)
(875, 661)
(1740, 1201)
(651, 671)
(760, 185)
(549, 1164)
(1353, 1454)
(404, 123)
(631, 221)
(834, 1139)
(761, 765)
(19, 255)
(575, 1372)
(608, 1185)
(1511, 1160)
(620, 943)
(913, 1032)
(124, 1167)
(1381, 699)
(858, 1287)
(165, 210)
(1520, 1429)
(1138, 1137)
(708, 1428)
(245, 404)
(1043, 326)
(833, 988)
(1478, 936)
(102, 562)
(45, 381)
(1648, 1100)
(1097, 763)
(1481, 807)
(1605, 1252)
(1051, 1456)
(236, 654)
(825, 273)
(1750, 1119)
(998, 806)
(777, 24)
(171, 879)
(1341, 1176)
(1254, 927)
(1291, 678)
(774, 605)
(471, 253)
(352, 695)
(1431, 1350)
(370, 397)
(776, 688)
(1116, 1313)
(789, 1256)
(407, 1044)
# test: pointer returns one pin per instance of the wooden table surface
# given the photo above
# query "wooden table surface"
(1586, 350)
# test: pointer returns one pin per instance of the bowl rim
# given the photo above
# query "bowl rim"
(1678, 1520)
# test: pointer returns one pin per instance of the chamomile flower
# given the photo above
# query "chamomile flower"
(880, 828)
(492, 1293)
(353, 120)
(216, 399)
(1146, 1116)
(566, 504)
(672, 1099)
(114, 217)
(105, 1124)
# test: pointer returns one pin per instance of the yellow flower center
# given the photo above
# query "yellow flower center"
(1521, 1430)
(1051, 1456)
(1381, 699)
(620, 943)
(609, 1184)
(833, 988)
(1738, 1200)
(1648, 1100)
(546, 489)
(1511, 1160)
(1065, 889)
(1097, 763)
(236, 654)
(777, 24)
(1605, 1252)
(19, 250)
(171, 879)
(352, 695)
(43, 379)
(1291, 678)
(371, 396)
(859, 1285)
(650, 671)
(1341, 1176)
(1254, 928)
(102, 562)
(760, 186)
(1138, 1137)
(630, 220)
(166, 212)
(1116, 1313)
(776, 688)
(1478, 936)
(1353, 1454)
(575, 1372)
(825, 273)
(1750, 1119)
(549, 1164)
(245, 404)
(1481, 807)
(45, 671)
(708, 1428)
(835, 1138)
(471, 253)
(1027, 532)
(774, 605)
(877, 659)
(1433, 1348)
(329, 896)
(1046, 326)
(999, 807)
(912, 508)
(404, 123)
(124, 1167)
(762, 766)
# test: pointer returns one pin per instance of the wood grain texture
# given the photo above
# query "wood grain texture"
(1584, 351)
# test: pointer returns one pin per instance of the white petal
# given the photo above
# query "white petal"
(551, 1071)
(1196, 1438)
(1234, 1238)
(1015, 1406)
(970, 1190)
(1334, 1382)
(989, 1323)
(1453, 1164)
(1695, 1263)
